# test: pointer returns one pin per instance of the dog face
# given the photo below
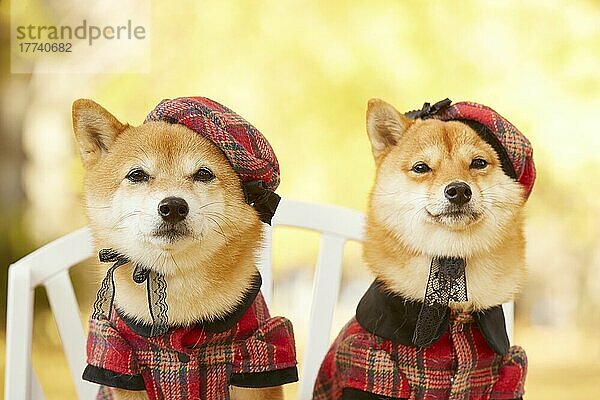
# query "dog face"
(439, 187)
(159, 193)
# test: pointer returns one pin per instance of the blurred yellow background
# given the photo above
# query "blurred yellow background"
(302, 72)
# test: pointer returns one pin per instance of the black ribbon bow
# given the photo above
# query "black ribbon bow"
(428, 110)
(265, 201)
(156, 287)
(447, 282)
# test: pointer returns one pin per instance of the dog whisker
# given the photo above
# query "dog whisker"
(125, 217)
(210, 204)
(219, 226)
(175, 262)
(420, 196)
(225, 220)
(220, 233)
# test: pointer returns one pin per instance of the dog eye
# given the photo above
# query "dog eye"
(479, 163)
(204, 175)
(420, 168)
(138, 175)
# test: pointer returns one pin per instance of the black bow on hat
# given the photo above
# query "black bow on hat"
(428, 110)
(265, 201)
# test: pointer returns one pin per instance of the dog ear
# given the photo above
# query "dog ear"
(95, 129)
(385, 126)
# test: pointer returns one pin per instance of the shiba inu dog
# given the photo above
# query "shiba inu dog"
(444, 239)
(179, 217)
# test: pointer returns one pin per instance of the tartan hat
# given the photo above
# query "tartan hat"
(247, 150)
(513, 148)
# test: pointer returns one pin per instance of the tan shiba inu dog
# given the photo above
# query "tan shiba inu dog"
(168, 199)
(444, 239)
(440, 189)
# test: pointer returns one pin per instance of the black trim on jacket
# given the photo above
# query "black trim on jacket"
(113, 379)
(217, 325)
(393, 317)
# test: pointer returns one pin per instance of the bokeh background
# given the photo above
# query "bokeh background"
(302, 72)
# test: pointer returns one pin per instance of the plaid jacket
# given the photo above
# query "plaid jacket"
(460, 365)
(196, 362)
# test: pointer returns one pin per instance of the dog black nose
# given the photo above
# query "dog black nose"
(173, 209)
(458, 193)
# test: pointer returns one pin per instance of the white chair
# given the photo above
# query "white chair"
(336, 225)
(49, 267)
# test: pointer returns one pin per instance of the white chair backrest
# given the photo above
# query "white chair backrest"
(336, 225)
(49, 267)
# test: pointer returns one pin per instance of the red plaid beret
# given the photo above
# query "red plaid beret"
(244, 146)
(248, 151)
(513, 148)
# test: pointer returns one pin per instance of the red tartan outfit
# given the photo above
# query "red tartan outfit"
(469, 361)
(196, 362)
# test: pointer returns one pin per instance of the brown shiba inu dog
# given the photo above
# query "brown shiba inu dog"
(169, 204)
(440, 190)
(444, 238)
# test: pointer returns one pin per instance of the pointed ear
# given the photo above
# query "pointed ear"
(385, 126)
(95, 129)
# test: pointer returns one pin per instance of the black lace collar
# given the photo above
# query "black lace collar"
(215, 326)
(394, 318)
